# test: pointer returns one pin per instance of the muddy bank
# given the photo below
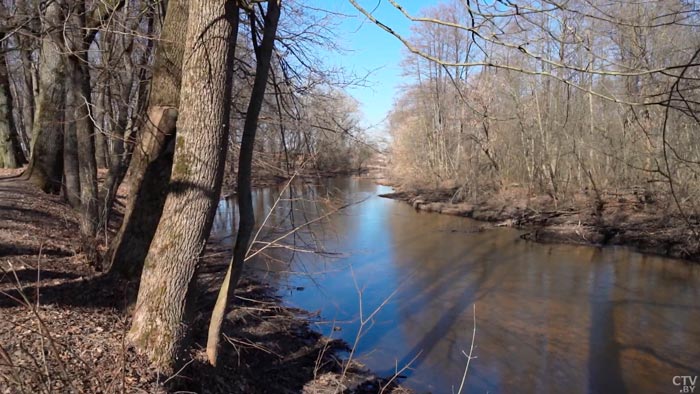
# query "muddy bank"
(63, 326)
(624, 218)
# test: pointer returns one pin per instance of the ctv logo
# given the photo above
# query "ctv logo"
(686, 383)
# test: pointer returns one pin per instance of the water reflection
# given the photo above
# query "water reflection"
(550, 318)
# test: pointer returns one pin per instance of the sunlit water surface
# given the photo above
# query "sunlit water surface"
(549, 318)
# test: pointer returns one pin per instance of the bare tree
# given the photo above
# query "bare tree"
(246, 222)
(560, 97)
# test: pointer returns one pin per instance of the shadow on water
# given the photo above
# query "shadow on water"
(604, 371)
(550, 318)
(415, 356)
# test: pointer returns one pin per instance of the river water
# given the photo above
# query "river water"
(548, 318)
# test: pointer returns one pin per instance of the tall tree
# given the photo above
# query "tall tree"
(263, 55)
(22, 67)
(149, 172)
(46, 163)
(158, 326)
(78, 115)
(11, 154)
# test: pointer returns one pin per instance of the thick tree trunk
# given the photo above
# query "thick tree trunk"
(11, 154)
(245, 161)
(79, 116)
(149, 172)
(27, 92)
(25, 116)
(102, 96)
(46, 162)
(147, 181)
(84, 130)
(158, 328)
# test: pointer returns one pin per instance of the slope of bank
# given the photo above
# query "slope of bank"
(627, 218)
(63, 326)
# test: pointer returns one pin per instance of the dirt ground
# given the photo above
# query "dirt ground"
(63, 326)
(626, 218)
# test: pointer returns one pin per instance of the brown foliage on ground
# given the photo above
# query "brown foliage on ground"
(62, 325)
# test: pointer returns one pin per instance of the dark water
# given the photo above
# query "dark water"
(549, 318)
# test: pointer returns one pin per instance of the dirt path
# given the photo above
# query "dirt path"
(62, 325)
(33, 225)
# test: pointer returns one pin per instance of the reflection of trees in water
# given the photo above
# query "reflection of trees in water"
(557, 319)
(531, 345)
(550, 318)
(650, 311)
(303, 251)
(604, 370)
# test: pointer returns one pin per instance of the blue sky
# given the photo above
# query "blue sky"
(370, 49)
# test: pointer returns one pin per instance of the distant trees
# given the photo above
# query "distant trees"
(335, 137)
(554, 97)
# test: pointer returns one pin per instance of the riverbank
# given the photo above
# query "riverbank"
(63, 326)
(626, 218)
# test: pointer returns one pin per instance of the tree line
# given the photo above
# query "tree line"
(552, 97)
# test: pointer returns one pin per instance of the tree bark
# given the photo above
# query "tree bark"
(102, 103)
(85, 132)
(246, 222)
(78, 116)
(46, 163)
(149, 172)
(71, 171)
(11, 154)
(158, 328)
(27, 46)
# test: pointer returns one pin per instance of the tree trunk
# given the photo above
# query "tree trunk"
(149, 172)
(85, 129)
(46, 162)
(11, 154)
(203, 131)
(27, 91)
(78, 116)
(71, 171)
(245, 160)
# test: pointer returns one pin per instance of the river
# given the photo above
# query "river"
(548, 318)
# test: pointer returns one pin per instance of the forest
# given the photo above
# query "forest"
(527, 112)
(126, 126)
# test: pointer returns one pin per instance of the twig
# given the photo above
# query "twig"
(469, 356)
(397, 372)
